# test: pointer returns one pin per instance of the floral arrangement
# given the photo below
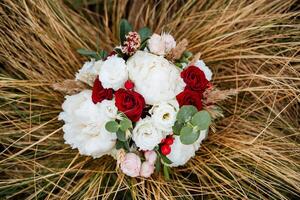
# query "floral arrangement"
(148, 103)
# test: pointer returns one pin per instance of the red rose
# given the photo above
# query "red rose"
(99, 93)
(194, 78)
(130, 103)
(189, 97)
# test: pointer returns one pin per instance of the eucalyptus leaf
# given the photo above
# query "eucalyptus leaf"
(119, 145)
(112, 126)
(185, 113)
(88, 53)
(103, 54)
(165, 159)
(121, 135)
(166, 172)
(188, 135)
(201, 119)
(125, 28)
(177, 128)
(144, 33)
(187, 54)
(143, 45)
(157, 165)
(125, 124)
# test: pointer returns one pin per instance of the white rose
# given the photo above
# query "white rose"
(201, 65)
(164, 115)
(145, 135)
(113, 72)
(131, 165)
(181, 153)
(156, 45)
(161, 44)
(154, 77)
(88, 72)
(85, 125)
(169, 41)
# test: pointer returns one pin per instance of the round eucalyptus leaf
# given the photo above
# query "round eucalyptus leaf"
(121, 135)
(125, 124)
(112, 126)
(201, 119)
(177, 128)
(185, 113)
(188, 136)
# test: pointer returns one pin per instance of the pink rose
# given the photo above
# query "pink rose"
(147, 169)
(150, 156)
(131, 165)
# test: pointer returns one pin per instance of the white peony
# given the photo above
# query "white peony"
(85, 125)
(113, 72)
(88, 72)
(201, 65)
(181, 153)
(164, 115)
(154, 77)
(161, 44)
(145, 135)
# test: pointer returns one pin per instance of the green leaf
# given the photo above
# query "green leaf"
(126, 146)
(88, 53)
(177, 128)
(201, 119)
(166, 172)
(185, 113)
(144, 33)
(119, 52)
(119, 145)
(112, 126)
(187, 54)
(121, 135)
(188, 135)
(178, 64)
(143, 45)
(165, 159)
(157, 165)
(125, 28)
(103, 54)
(125, 124)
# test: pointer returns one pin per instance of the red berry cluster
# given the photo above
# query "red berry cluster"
(165, 145)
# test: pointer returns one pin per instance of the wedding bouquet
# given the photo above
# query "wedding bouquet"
(148, 103)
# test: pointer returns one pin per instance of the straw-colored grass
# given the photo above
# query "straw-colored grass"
(251, 45)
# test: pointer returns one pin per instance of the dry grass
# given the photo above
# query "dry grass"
(250, 45)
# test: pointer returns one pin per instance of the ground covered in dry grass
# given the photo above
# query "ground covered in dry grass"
(252, 46)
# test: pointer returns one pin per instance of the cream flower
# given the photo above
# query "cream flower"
(154, 77)
(169, 42)
(150, 156)
(147, 169)
(113, 72)
(201, 65)
(85, 125)
(181, 153)
(156, 45)
(161, 44)
(88, 72)
(164, 115)
(145, 135)
(131, 165)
